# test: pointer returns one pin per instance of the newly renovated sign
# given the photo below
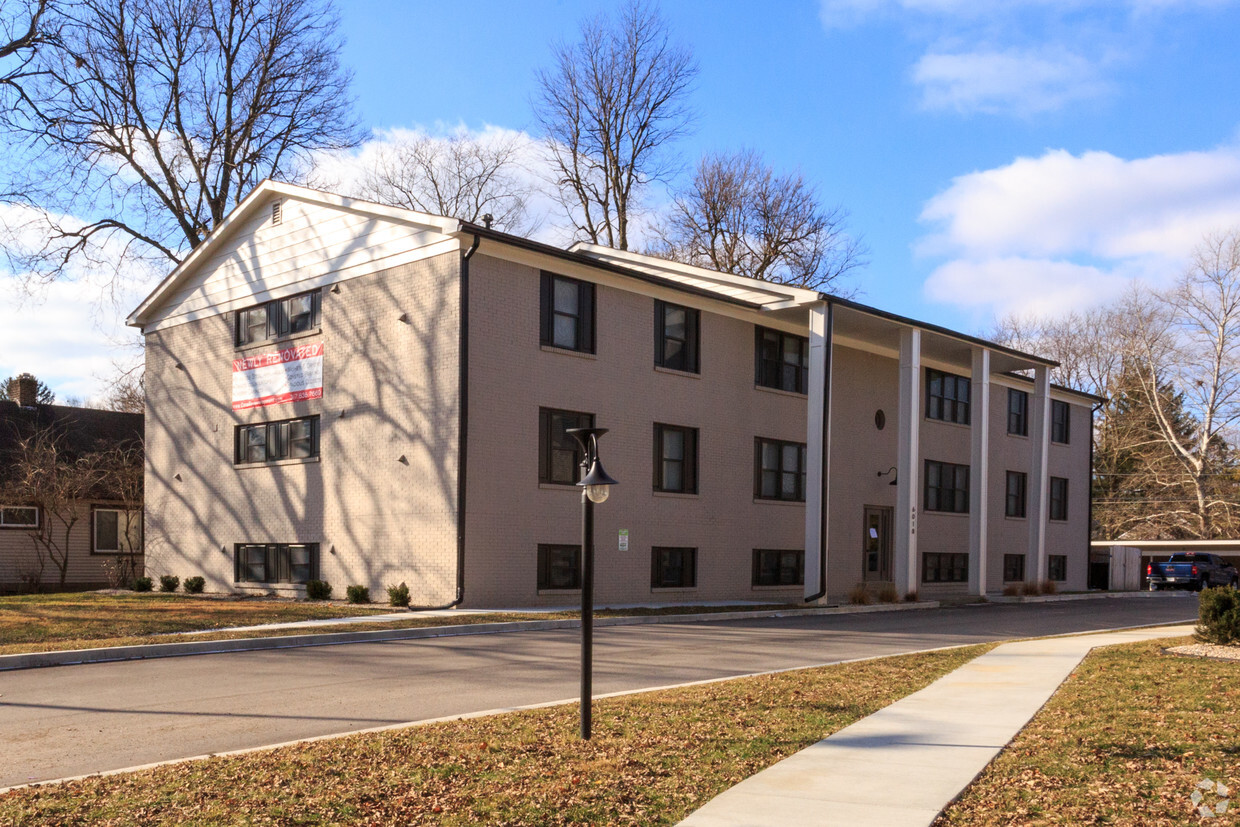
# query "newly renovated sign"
(289, 375)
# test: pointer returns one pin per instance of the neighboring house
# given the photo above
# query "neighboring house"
(70, 494)
(345, 391)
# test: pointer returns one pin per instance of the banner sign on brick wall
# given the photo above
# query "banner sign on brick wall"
(290, 375)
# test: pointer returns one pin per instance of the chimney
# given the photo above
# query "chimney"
(27, 391)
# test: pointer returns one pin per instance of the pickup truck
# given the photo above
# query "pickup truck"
(1191, 570)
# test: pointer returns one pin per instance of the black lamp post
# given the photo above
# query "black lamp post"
(595, 486)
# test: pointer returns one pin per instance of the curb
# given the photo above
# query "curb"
(74, 657)
(1063, 598)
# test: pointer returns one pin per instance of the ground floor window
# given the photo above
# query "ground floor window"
(1013, 568)
(116, 531)
(559, 567)
(778, 567)
(19, 516)
(276, 562)
(673, 568)
(1057, 567)
(939, 567)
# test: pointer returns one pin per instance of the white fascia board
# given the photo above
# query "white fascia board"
(776, 293)
(240, 214)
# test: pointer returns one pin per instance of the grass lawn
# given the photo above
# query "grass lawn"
(1124, 742)
(43, 619)
(45, 623)
(654, 758)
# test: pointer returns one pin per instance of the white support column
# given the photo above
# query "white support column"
(979, 473)
(1039, 479)
(908, 463)
(817, 446)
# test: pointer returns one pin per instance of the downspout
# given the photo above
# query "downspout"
(825, 459)
(1089, 511)
(463, 427)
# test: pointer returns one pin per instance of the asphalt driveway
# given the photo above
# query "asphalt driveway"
(74, 720)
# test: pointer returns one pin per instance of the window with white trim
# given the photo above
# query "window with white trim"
(116, 531)
(19, 516)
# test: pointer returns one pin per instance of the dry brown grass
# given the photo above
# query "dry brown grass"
(1124, 742)
(654, 758)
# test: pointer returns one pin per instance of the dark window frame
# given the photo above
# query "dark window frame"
(800, 473)
(951, 401)
(278, 441)
(1018, 412)
(770, 567)
(1057, 567)
(278, 319)
(953, 495)
(944, 567)
(688, 461)
(661, 567)
(547, 445)
(687, 359)
(128, 514)
(1057, 497)
(546, 569)
(774, 370)
(277, 560)
(1014, 568)
(583, 319)
(1061, 422)
(1016, 502)
(38, 518)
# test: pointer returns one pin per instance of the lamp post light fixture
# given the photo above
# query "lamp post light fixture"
(595, 486)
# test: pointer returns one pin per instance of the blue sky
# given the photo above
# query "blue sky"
(910, 113)
(1029, 155)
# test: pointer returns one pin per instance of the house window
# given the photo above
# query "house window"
(675, 459)
(278, 318)
(567, 313)
(782, 361)
(559, 455)
(276, 562)
(559, 567)
(676, 337)
(1013, 568)
(1018, 412)
(778, 567)
(947, 397)
(937, 567)
(1015, 494)
(276, 441)
(947, 487)
(673, 568)
(779, 470)
(1061, 422)
(19, 516)
(1057, 567)
(1059, 498)
(116, 531)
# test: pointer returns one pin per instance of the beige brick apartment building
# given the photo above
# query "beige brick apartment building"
(362, 394)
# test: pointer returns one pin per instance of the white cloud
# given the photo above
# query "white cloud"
(1012, 81)
(1064, 230)
(70, 333)
(1019, 57)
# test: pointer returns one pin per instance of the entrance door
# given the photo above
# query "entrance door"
(876, 544)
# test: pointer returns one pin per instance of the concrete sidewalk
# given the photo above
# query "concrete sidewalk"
(904, 764)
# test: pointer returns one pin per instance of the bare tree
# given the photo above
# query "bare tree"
(127, 392)
(150, 119)
(461, 175)
(1085, 343)
(609, 108)
(1189, 339)
(739, 216)
(44, 474)
(23, 30)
